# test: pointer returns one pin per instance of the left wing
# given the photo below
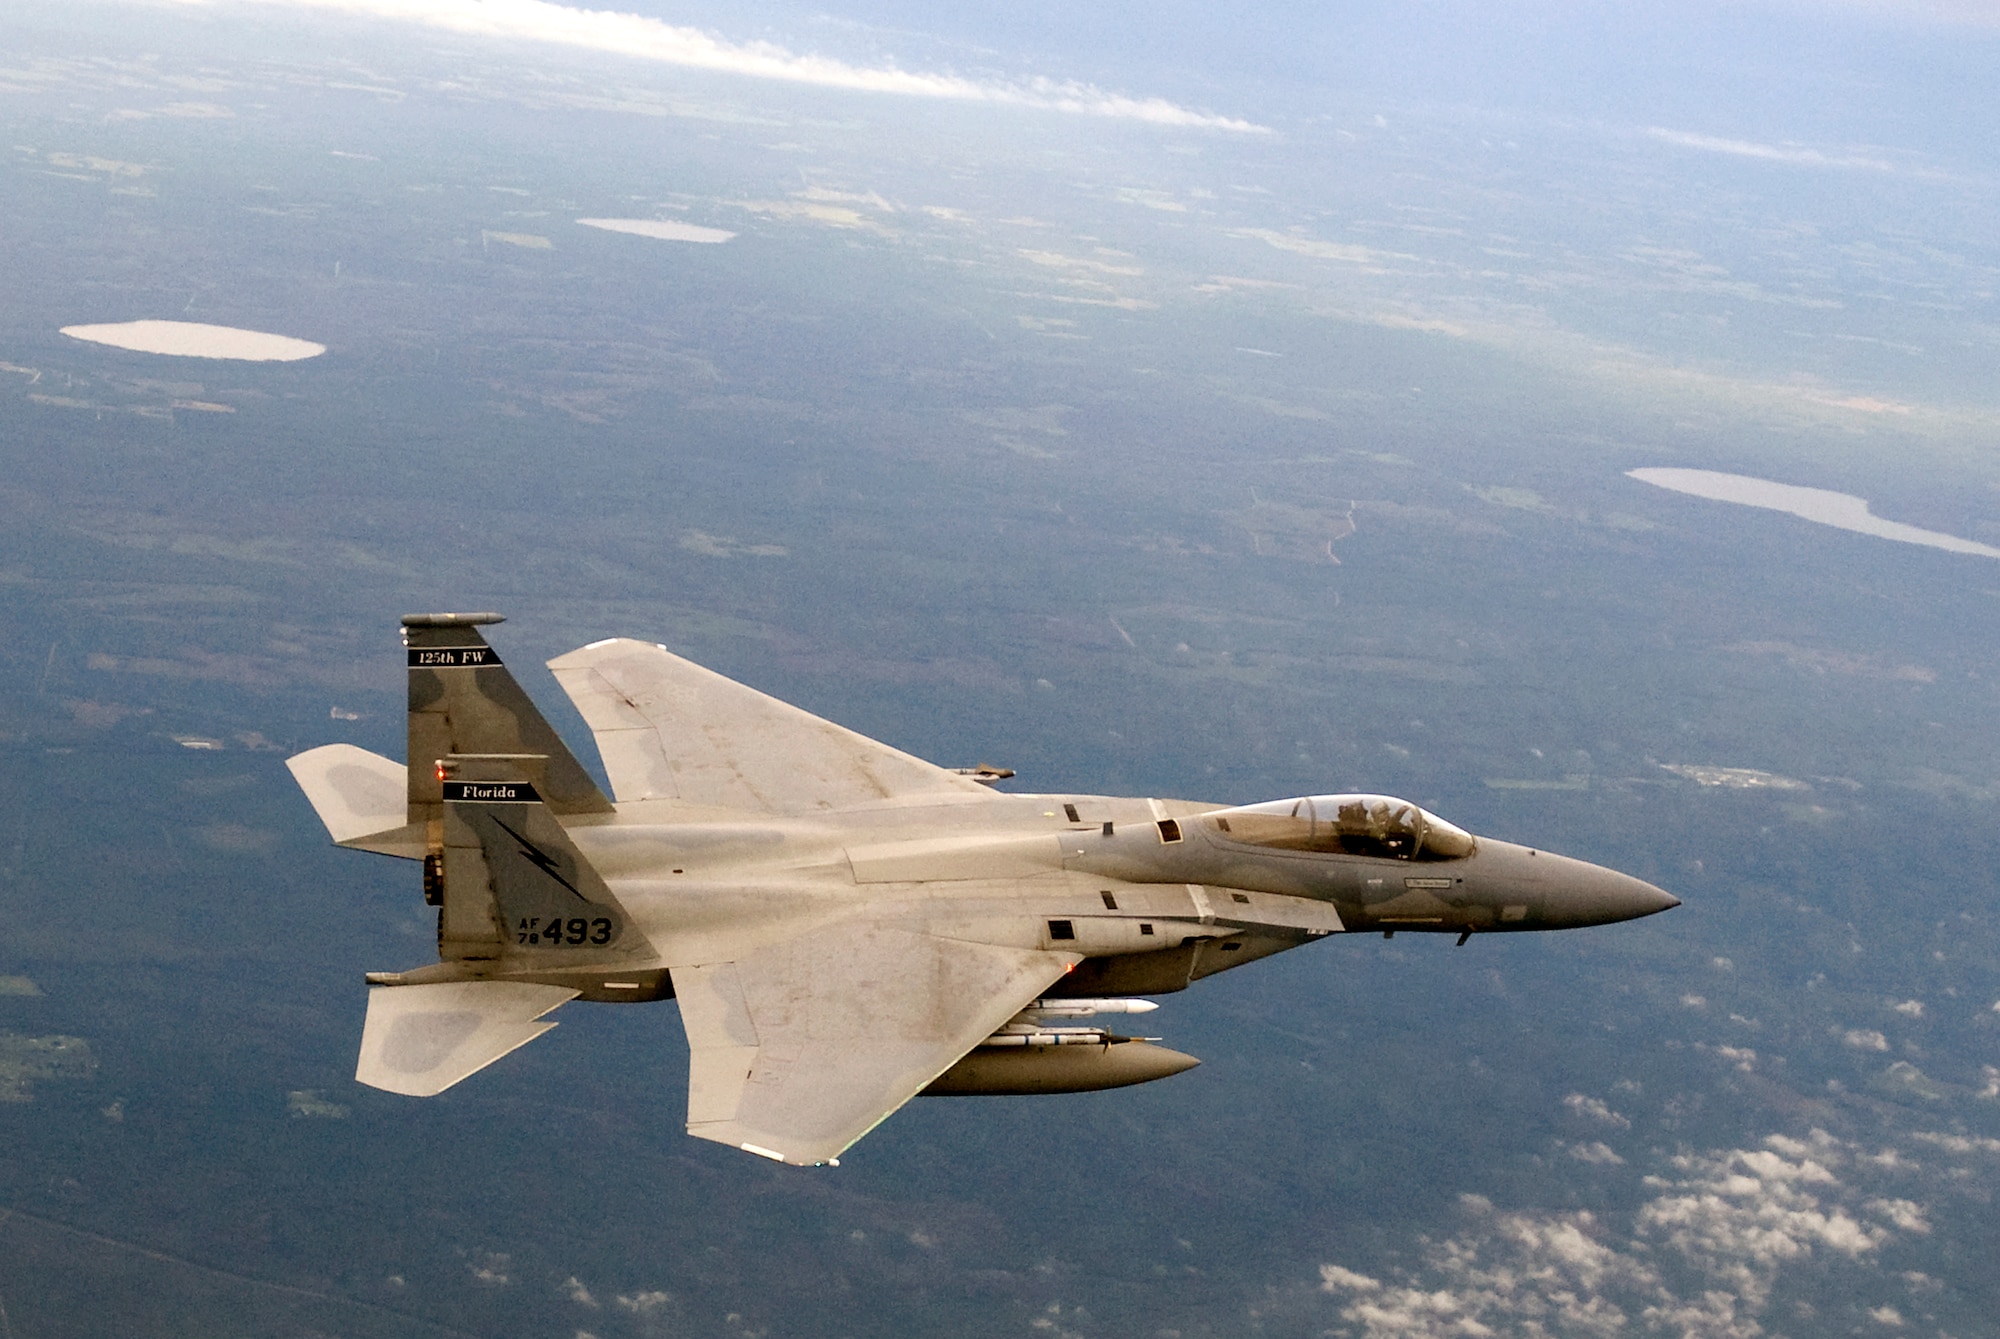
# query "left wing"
(799, 1048)
(669, 729)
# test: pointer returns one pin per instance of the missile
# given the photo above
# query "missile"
(1029, 1034)
(1085, 1008)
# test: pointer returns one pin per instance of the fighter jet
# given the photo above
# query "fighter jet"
(846, 926)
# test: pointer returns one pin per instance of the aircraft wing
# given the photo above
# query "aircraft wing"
(799, 1048)
(669, 729)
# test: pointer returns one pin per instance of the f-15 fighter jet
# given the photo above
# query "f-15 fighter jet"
(846, 926)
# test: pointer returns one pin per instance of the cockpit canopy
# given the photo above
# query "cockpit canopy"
(1367, 825)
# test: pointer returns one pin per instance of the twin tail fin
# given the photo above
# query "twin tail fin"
(524, 923)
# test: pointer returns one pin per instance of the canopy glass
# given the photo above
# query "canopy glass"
(1367, 825)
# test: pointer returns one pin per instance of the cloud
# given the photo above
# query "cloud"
(643, 1302)
(1738, 1215)
(1596, 1152)
(1318, 250)
(642, 38)
(1958, 1143)
(1775, 153)
(1520, 1273)
(311, 1103)
(1701, 1256)
(1332, 1278)
(1905, 1214)
(1594, 1108)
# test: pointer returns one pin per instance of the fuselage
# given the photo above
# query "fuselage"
(1115, 878)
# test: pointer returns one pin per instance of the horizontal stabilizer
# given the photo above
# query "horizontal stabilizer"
(360, 796)
(420, 1040)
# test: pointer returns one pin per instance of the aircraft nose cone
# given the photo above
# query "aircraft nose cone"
(1639, 898)
(1555, 892)
(1593, 895)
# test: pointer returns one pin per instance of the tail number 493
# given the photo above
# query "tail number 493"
(556, 930)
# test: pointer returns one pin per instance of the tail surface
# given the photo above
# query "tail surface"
(524, 925)
(362, 798)
(515, 890)
(463, 701)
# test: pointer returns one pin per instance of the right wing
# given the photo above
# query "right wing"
(799, 1048)
(670, 730)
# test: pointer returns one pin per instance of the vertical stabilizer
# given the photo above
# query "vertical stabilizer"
(464, 701)
(513, 888)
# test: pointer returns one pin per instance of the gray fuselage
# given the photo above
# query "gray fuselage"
(1123, 881)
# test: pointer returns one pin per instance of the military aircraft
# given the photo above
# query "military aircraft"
(846, 926)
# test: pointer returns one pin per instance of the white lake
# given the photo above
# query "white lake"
(661, 229)
(192, 339)
(1843, 511)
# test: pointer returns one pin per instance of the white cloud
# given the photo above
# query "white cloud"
(1310, 246)
(1595, 1109)
(1740, 1214)
(1511, 1273)
(1776, 153)
(642, 38)
(1742, 1057)
(1332, 1278)
(1913, 1008)
(1958, 1143)
(1905, 1214)
(1596, 1152)
(643, 1302)
(1865, 1039)
(1702, 1256)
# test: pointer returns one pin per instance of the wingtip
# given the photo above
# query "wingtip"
(591, 653)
